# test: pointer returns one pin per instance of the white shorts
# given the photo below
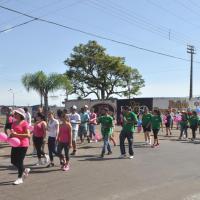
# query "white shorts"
(74, 135)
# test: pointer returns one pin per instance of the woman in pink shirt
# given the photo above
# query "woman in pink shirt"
(64, 141)
(92, 123)
(39, 134)
(20, 130)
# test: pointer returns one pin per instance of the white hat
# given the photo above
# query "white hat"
(20, 111)
(74, 107)
(86, 106)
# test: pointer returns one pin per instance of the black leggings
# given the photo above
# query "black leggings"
(38, 142)
(60, 147)
(17, 158)
(52, 147)
(155, 133)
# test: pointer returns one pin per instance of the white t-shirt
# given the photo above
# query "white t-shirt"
(75, 120)
(52, 127)
(28, 118)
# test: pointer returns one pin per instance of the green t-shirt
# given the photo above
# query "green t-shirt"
(156, 121)
(194, 121)
(184, 121)
(146, 119)
(106, 124)
(129, 121)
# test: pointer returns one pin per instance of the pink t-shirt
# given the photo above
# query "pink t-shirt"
(93, 118)
(38, 130)
(64, 133)
(21, 128)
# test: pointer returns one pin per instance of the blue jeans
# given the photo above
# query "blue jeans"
(106, 144)
(91, 130)
(183, 130)
(123, 135)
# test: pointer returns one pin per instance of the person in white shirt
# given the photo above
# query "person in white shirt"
(27, 116)
(52, 131)
(75, 120)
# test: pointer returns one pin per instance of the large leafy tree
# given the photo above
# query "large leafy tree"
(92, 71)
(44, 84)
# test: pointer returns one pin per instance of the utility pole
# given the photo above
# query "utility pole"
(191, 51)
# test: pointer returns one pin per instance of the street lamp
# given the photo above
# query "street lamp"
(13, 96)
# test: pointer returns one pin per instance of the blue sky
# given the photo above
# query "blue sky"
(165, 26)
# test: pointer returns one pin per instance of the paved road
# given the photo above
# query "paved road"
(170, 172)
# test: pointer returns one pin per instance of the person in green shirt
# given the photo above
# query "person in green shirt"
(128, 128)
(193, 122)
(146, 124)
(156, 123)
(183, 125)
(106, 122)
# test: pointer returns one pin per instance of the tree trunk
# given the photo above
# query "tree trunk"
(102, 94)
(41, 100)
(46, 104)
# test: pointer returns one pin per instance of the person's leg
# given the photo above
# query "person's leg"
(14, 156)
(74, 137)
(130, 143)
(66, 149)
(59, 153)
(37, 144)
(122, 138)
(181, 132)
(51, 147)
(21, 155)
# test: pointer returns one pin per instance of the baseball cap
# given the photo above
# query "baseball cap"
(74, 107)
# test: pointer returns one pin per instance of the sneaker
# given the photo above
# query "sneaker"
(131, 157)
(122, 156)
(146, 142)
(39, 163)
(46, 160)
(50, 165)
(110, 152)
(102, 155)
(66, 168)
(18, 181)
(73, 153)
(26, 172)
(153, 145)
(156, 145)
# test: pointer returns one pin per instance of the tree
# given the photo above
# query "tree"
(92, 71)
(43, 84)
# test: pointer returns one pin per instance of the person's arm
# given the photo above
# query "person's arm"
(70, 136)
(44, 127)
(57, 128)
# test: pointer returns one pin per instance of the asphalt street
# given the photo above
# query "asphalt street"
(169, 172)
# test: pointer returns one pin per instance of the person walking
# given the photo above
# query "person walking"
(75, 120)
(106, 122)
(193, 122)
(39, 134)
(92, 124)
(19, 129)
(52, 131)
(64, 141)
(156, 122)
(146, 124)
(128, 128)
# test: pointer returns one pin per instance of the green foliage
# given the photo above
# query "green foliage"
(92, 71)
(43, 84)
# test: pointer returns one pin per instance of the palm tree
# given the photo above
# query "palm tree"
(44, 84)
(35, 82)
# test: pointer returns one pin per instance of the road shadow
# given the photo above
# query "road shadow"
(8, 167)
(5, 183)
(98, 158)
(88, 147)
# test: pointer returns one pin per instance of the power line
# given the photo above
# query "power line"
(86, 33)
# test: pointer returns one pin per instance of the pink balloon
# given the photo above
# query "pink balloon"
(97, 136)
(14, 142)
(3, 137)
